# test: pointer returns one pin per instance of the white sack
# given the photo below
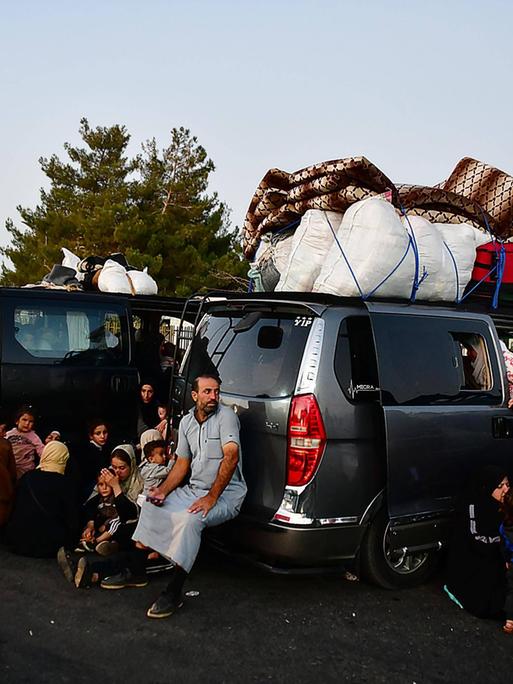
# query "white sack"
(69, 259)
(311, 243)
(374, 241)
(436, 272)
(270, 262)
(463, 241)
(143, 282)
(113, 278)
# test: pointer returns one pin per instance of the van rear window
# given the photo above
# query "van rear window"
(256, 355)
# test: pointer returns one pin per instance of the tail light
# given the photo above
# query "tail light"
(306, 439)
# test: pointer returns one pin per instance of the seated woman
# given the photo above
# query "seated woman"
(476, 572)
(126, 483)
(147, 416)
(45, 513)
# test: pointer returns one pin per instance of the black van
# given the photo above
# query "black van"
(77, 355)
(360, 422)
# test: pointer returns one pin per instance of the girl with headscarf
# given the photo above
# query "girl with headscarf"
(476, 572)
(45, 512)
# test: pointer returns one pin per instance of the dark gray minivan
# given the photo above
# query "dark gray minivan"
(360, 423)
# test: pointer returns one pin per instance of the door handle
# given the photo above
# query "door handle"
(502, 427)
(115, 383)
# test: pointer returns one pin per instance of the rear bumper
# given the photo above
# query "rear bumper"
(280, 547)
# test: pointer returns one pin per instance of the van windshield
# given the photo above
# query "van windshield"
(255, 356)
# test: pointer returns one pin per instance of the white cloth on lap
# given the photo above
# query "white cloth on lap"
(174, 532)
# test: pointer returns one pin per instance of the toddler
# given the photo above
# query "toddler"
(506, 531)
(26, 445)
(154, 467)
(102, 521)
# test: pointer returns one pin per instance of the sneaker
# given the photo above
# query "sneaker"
(123, 580)
(66, 564)
(107, 548)
(164, 606)
(83, 574)
(84, 547)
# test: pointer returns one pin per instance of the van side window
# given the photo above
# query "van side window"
(431, 360)
(355, 360)
(475, 364)
(71, 334)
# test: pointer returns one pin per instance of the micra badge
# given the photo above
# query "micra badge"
(271, 425)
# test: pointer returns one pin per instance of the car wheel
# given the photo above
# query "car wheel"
(393, 569)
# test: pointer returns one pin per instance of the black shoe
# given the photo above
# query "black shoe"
(123, 580)
(83, 574)
(66, 563)
(164, 606)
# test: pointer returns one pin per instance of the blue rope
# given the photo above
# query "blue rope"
(367, 296)
(416, 282)
(500, 251)
(486, 275)
(487, 225)
(294, 224)
(500, 272)
(410, 244)
(505, 539)
(455, 266)
(345, 258)
(425, 274)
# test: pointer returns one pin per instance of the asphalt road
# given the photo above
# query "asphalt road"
(243, 627)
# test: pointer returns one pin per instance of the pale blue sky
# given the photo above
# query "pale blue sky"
(413, 86)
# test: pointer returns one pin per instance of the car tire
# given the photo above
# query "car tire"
(392, 570)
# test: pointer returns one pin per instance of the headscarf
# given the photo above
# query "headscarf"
(150, 436)
(54, 458)
(134, 484)
(149, 412)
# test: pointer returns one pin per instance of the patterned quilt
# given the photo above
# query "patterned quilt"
(474, 193)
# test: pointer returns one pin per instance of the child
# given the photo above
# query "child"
(26, 445)
(102, 520)
(154, 467)
(162, 425)
(162, 412)
(506, 531)
(89, 458)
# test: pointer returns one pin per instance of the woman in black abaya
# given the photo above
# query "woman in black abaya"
(476, 572)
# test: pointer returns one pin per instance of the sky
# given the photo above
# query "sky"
(413, 86)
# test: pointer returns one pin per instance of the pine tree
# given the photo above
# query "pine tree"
(154, 208)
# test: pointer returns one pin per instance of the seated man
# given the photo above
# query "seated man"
(172, 522)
